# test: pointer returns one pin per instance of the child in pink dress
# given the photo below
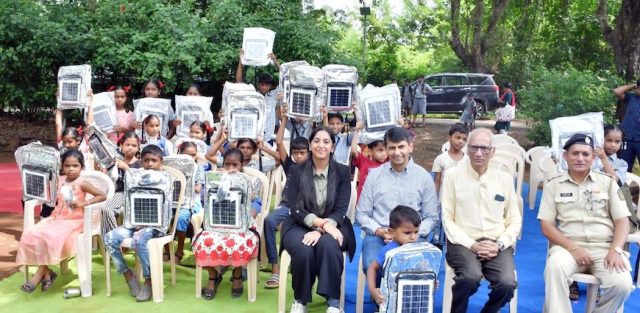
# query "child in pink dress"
(53, 239)
(125, 119)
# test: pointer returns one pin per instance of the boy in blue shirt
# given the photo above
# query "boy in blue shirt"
(404, 227)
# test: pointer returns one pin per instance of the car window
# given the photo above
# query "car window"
(479, 80)
(434, 81)
(456, 80)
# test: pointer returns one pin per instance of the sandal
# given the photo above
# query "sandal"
(47, 283)
(237, 292)
(134, 286)
(574, 291)
(273, 282)
(209, 294)
(28, 287)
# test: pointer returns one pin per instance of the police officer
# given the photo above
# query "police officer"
(586, 221)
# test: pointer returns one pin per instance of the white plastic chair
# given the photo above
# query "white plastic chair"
(156, 247)
(548, 167)
(633, 179)
(90, 228)
(532, 157)
(515, 155)
(504, 139)
(447, 296)
(285, 262)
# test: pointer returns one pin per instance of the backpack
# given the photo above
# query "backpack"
(227, 206)
(148, 199)
(409, 276)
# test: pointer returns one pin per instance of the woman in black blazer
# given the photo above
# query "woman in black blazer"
(316, 231)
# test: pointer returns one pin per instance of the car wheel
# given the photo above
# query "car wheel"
(481, 109)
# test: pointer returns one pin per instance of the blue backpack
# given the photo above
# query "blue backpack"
(409, 276)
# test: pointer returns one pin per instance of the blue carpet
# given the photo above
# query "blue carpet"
(530, 260)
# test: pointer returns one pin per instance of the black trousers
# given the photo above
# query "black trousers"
(470, 270)
(324, 261)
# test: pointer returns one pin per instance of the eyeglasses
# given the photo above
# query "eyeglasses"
(482, 149)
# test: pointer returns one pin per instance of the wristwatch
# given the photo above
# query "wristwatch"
(621, 252)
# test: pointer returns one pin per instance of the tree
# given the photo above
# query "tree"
(623, 39)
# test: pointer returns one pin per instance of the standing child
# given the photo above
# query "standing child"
(126, 121)
(194, 90)
(335, 124)
(151, 134)
(151, 157)
(404, 227)
(53, 239)
(468, 116)
(377, 156)
(188, 209)
(213, 249)
(457, 140)
(153, 89)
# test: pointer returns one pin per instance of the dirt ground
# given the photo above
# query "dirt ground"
(427, 146)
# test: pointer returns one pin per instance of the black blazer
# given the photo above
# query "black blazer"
(339, 193)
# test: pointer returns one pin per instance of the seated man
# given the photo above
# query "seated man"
(481, 219)
(586, 221)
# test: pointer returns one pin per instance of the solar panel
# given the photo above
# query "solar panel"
(225, 212)
(70, 90)
(256, 49)
(339, 98)
(188, 117)
(415, 292)
(147, 209)
(35, 183)
(176, 193)
(102, 118)
(301, 102)
(379, 113)
(244, 124)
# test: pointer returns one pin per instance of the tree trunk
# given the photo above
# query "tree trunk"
(474, 50)
(623, 39)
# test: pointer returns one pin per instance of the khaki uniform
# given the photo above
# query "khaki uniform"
(584, 213)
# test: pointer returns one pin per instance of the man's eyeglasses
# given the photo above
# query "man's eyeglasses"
(482, 149)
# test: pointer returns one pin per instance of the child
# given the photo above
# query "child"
(194, 91)
(469, 114)
(335, 123)
(457, 140)
(153, 89)
(53, 239)
(200, 131)
(404, 227)
(151, 157)
(129, 144)
(212, 249)
(299, 154)
(73, 138)
(126, 121)
(151, 134)
(377, 156)
(611, 164)
(188, 209)
(249, 147)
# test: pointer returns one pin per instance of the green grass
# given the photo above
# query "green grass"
(179, 298)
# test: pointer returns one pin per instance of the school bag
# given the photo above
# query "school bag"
(409, 276)
(227, 202)
(148, 195)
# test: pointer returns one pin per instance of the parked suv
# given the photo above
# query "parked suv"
(449, 90)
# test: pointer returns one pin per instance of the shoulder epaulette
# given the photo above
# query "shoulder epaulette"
(554, 177)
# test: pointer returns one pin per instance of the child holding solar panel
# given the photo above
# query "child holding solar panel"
(125, 120)
(213, 249)
(53, 239)
(151, 157)
(151, 134)
(152, 88)
(335, 124)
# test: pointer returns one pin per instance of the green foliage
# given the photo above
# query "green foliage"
(555, 93)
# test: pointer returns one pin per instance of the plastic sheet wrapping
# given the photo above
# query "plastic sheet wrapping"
(416, 257)
(227, 204)
(257, 43)
(105, 151)
(157, 106)
(39, 169)
(190, 109)
(188, 166)
(284, 83)
(379, 110)
(74, 82)
(562, 128)
(231, 88)
(148, 199)
(307, 92)
(104, 111)
(201, 146)
(340, 87)
(245, 116)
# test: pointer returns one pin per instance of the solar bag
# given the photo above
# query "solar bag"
(227, 204)
(105, 151)
(307, 92)
(562, 128)
(380, 110)
(245, 116)
(148, 199)
(74, 82)
(229, 88)
(185, 164)
(191, 109)
(157, 106)
(39, 169)
(257, 43)
(340, 84)
(104, 111)
(409, 276)
(284, 84)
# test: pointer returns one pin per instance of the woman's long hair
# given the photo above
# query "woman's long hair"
(307, 193)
